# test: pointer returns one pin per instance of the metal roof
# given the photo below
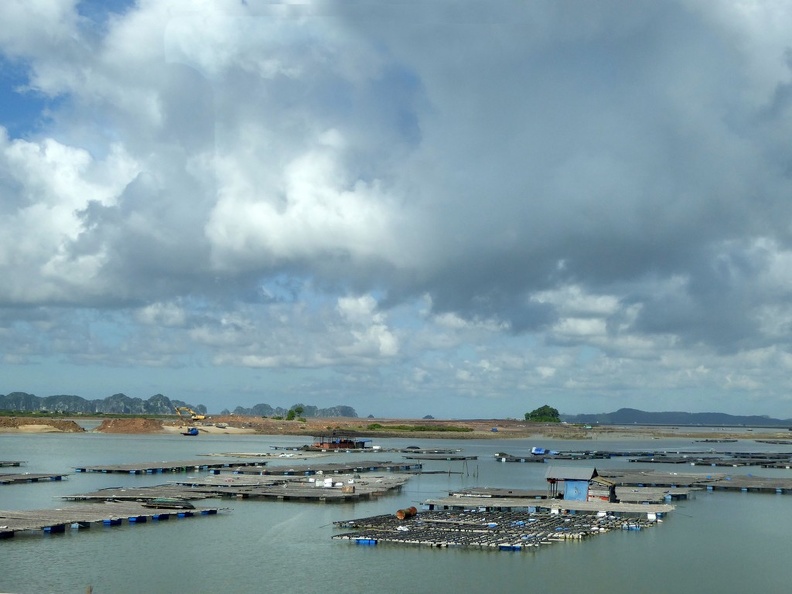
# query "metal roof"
(603, 481)
(571, 473)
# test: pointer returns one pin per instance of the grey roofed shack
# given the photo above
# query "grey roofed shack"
(576, 481)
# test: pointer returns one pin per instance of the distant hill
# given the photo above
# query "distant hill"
(632, 416)
(265, 410)
(156, 405)
(115, 404)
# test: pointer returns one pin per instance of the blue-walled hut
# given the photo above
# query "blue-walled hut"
(576, 481)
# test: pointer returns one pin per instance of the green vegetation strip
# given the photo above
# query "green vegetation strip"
(430, 428)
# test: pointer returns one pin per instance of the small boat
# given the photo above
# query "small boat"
(190, 431)
(169, 503)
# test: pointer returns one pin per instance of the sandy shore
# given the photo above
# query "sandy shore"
(31, 429)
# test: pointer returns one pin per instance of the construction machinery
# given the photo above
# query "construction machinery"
(186, 411)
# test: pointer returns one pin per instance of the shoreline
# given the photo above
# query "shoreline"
(394, 428)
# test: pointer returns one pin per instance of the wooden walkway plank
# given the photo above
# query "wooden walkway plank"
(160, 467)
(28, 477)
(320, 469)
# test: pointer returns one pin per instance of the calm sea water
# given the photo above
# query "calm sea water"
(716, 542)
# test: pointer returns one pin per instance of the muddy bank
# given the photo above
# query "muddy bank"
(37, 425)
(136, 425)
(381, 428)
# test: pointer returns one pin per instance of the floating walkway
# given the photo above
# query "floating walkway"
(504, 457)
(498, 492)
(689, 457)
(28, 477)
(498, 530)
(330, 468)
(140, 494)
(708, 482)
(279, 452)
(160, 467)
(10, 463)
(80, 517)
(439, 457)
(550, 505)
(417, 450)
(623, 494)
(596, 454)
(570, 455)
(713, 458)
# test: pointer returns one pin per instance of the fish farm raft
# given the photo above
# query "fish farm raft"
(498, 530)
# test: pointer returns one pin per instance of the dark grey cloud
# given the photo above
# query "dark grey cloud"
(483, 198)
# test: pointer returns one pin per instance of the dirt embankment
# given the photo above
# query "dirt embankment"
(36, 425)
(408, 428)
(133, 425)
(374, 428)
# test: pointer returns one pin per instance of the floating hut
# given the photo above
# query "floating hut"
(339, 441)
(576, 482)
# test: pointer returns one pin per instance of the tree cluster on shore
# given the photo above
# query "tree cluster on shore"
(543, 414)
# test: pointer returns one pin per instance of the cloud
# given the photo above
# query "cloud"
(480, 201)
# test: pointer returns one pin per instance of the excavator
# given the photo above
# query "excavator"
(182, 411)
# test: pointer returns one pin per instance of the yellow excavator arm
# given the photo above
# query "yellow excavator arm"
(186, 410)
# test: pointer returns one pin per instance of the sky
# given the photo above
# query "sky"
(457, 209)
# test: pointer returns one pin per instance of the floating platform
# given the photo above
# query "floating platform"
(497, 493)
(417, 450)
(277, 453)
(596, 454)
(547, 455)
(504, 457)
(713, 458)
(140, 494)
(160, 467)
(708, 482)
(54, 521)
(10, 463)
(623, 494)
(751, 484)
(691, 457)
(549, 505)
(439, 457)
(644, 494)
(28, 477)
(329, 468)
(728, 461)
(335, 489)
(715, 440)
(491, 530)
(652, 478)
